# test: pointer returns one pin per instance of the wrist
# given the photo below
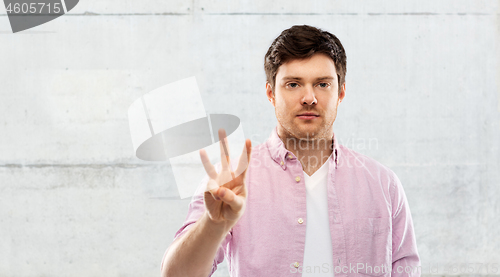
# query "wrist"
(217, 227)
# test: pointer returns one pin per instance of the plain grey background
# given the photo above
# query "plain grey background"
(422, 98)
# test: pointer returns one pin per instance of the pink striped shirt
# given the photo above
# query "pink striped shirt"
(369, 217)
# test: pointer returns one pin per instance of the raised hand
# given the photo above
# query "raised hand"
(225, 196)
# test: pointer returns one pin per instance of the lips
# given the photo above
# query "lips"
(308, 116)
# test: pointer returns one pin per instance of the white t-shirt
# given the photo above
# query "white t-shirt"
(318, 257)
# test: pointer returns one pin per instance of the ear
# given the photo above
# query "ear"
(342, 92)
(269, 93)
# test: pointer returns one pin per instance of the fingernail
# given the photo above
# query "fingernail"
(223, 192)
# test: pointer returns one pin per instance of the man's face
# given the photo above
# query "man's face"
(306, 86)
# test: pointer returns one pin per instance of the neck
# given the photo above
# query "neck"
(312, 150)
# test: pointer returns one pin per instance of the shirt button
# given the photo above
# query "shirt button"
(297, 179)
(300, 221)
(296, 264)
(281, 162)
(290, 156)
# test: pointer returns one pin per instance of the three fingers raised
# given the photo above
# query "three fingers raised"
(218, 192)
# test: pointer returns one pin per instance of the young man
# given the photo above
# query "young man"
(304, 205)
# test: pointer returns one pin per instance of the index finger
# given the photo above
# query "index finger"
(244, 158)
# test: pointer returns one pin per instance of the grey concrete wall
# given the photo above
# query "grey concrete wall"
(422, 98)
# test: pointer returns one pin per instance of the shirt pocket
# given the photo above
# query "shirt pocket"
(373, 246)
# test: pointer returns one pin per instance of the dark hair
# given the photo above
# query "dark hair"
(301, 42)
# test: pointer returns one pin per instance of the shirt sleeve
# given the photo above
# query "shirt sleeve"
(195, 211)
(405, 258)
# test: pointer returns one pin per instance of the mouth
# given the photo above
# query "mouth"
(308, 116)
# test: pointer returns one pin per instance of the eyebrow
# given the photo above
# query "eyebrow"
(287, 78)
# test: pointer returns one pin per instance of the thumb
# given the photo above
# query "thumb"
(230, 198)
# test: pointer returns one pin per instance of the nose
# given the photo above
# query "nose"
(309, 98)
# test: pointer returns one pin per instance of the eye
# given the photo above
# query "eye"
(324, 85)
(293, 85)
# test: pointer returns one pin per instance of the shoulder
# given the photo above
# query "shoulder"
(259, 150)
(362, 164)
(367, 170)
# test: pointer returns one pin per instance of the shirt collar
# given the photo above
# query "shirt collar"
(280, 154)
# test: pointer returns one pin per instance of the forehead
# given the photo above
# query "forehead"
(316, 65)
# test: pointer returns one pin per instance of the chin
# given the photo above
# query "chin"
(309, 131)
